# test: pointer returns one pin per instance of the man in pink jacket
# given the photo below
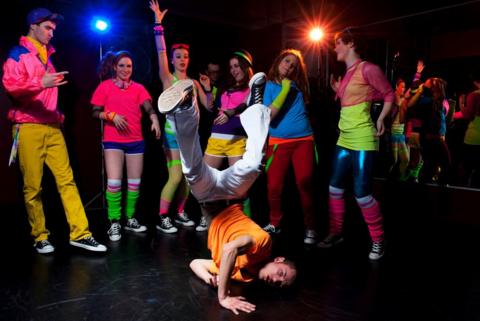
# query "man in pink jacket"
(31, 81)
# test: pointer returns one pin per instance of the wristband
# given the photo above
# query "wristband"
(282, 95)
(158, 30)
(110, 115)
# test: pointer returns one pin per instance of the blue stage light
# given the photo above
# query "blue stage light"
(100, 25)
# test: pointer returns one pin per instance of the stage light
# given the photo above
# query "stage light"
(100, 25)
(316, 34)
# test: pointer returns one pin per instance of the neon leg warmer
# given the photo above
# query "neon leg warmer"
(336, 205)
(373, 217)
(114, 199)
(132, 197)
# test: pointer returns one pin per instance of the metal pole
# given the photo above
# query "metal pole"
(101, 194)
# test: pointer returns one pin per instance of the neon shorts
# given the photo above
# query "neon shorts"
(128, 148)
(225, 147)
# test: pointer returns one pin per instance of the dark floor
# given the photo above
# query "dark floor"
(430, 272)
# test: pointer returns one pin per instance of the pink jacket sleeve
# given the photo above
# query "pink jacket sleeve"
(18, 82)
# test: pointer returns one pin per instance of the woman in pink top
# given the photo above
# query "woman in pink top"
(358, 140)
(118, 101)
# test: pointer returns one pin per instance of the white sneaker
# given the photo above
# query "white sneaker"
(89, 243)
(133, 225)
(377, 251)
(44, 247)
(183, 219)
(257, 87)
(114, 232)
(271, 229)
(330, 241)
(166, 225)
(177, 94)
(310, 237)
(202, 225)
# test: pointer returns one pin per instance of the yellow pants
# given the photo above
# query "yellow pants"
(40, 144)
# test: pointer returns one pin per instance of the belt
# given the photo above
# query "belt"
(212, 208)
(221, 203)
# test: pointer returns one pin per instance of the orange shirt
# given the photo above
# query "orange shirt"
(230, 224)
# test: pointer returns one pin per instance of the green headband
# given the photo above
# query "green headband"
(244, 56)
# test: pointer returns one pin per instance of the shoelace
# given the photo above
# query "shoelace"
(270, 227)
(133, 223)
(166, 222)
(203, 221)
(91, 240)
(310, 234)
(44, 243)
(377, 247)
(183, 216)
(115, 228)
(257, 94)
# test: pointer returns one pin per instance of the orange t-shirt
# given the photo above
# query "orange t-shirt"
(230, 224)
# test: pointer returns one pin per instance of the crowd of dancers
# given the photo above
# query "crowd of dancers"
(260, 125)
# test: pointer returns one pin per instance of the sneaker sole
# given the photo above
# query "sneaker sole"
(309, 240)
(100, 248)
(115, 238)
(187, 224)
(376, 257)
(45, 251)
(172, 96)
(169, 231)
(255, 77)
(328, 246)
(201, 229)
(137, 230)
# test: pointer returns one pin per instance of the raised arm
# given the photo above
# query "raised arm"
(229, 254)
(165, 76)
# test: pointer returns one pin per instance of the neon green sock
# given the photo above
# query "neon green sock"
(114, 205)
(132, 197)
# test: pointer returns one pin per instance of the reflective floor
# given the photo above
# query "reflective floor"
(430, 272)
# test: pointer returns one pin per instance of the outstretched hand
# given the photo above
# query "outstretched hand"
(237, 303)
(54, 79)
(156, 9)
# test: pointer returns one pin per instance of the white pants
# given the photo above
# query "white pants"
(210, 184)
